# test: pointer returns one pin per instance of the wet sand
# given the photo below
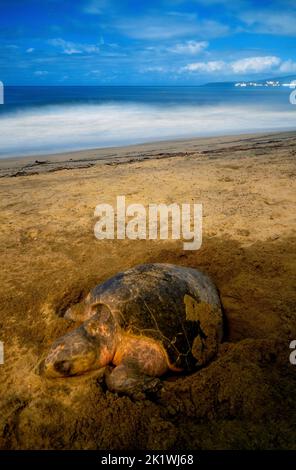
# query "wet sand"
(50, 259)
(24, 166)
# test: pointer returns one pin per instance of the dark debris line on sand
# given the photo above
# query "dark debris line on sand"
(261, 142)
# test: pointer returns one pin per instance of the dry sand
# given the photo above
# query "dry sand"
(50, 259)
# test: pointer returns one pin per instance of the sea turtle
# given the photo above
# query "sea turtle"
(145, 321)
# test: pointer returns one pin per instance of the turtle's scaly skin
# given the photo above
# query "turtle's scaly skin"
(177, 306)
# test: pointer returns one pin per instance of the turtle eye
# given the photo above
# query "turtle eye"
(63, 367)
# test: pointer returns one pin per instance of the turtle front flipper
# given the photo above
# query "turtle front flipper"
(128, 379)
(82, 311)
(77, 312)
(139, 362)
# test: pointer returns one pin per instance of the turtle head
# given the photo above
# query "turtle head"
(72, 354)
(89, 347)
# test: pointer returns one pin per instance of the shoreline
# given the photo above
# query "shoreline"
(77, 159)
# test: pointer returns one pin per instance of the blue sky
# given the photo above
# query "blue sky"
(129, 42)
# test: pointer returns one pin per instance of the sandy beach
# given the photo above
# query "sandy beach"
(50, 259)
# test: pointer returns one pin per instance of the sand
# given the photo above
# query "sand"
(50, 259)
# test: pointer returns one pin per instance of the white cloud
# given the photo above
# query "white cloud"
(248, 65)
(156, 68)
(90, 48)
(288, 66)
(93, 73)
(31, 49)
(95, 7)
(156, 27)
(153, 31)
(211, 66)
(66, 46)
(255, 64)
(271, 22)
(225, 3)
(41, 73)
(70, 48)
(189, 47)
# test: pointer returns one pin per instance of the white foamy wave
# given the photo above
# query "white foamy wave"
(60, 128)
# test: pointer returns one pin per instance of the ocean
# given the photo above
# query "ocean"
(36, 120)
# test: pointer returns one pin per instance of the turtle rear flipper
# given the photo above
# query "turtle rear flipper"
(129, 380)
